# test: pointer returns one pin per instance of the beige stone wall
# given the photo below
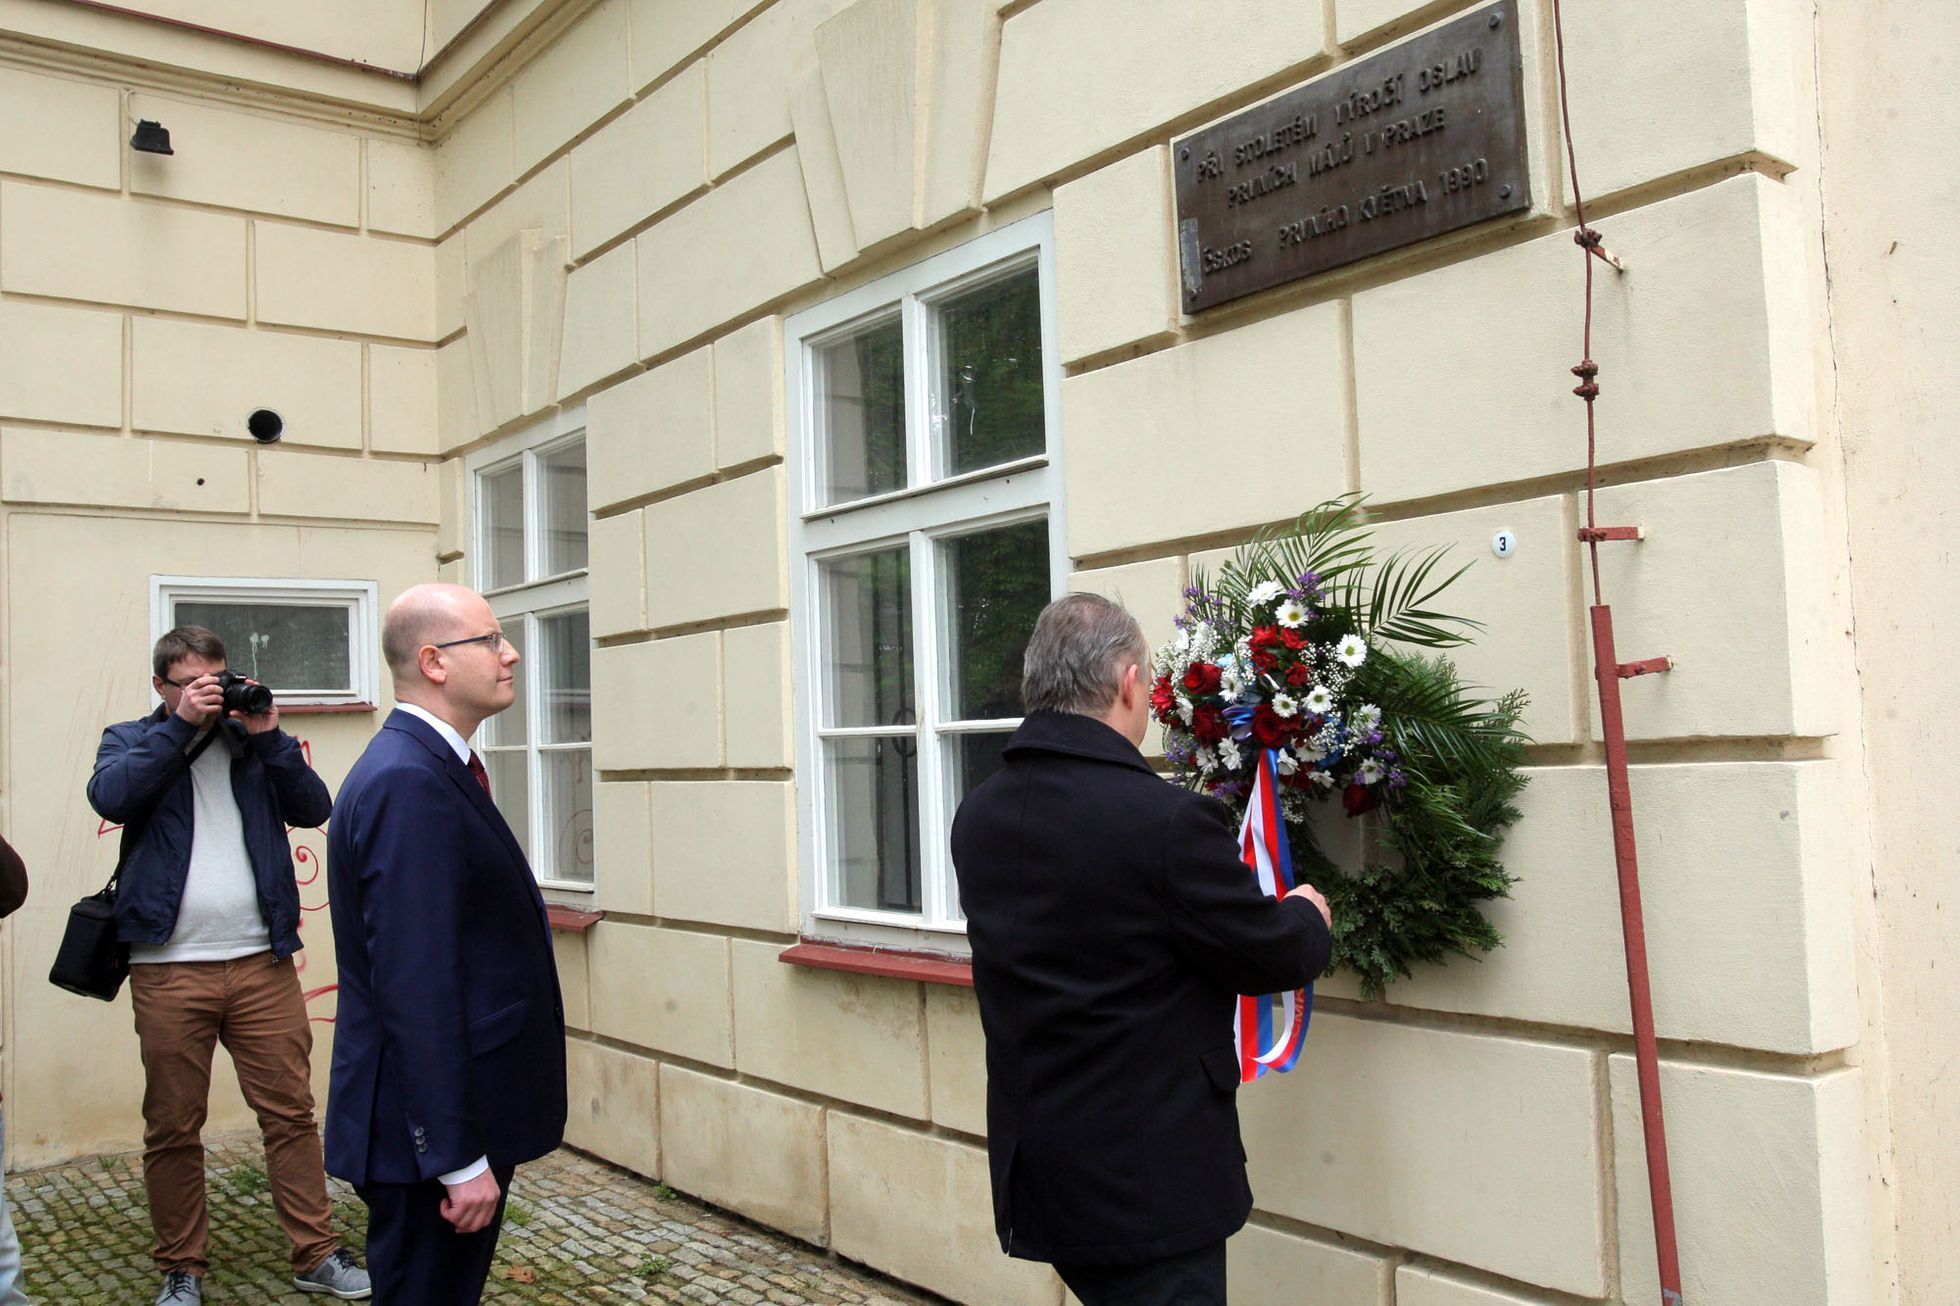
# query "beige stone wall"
(1474, 1138)
(1889, 196)
(147, 305)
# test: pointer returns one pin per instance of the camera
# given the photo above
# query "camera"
(243, 696)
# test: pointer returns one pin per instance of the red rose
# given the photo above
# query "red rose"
(1293, 639)
(1269, 728)
(1207, 724)
(1201, 678)
(1264, 636)
(1264, 660)
(1357, 798)
(1162, 701)
(1299, 674)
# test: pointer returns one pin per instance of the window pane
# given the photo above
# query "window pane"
(512, 725)
(565, 676)
(990, 374)
(970, 759)
(290, 647)
(561, 485)
(500, 496)
(874, 821)
(568, 814)
(868, 600)
(974, 757)
(860, 387)
(510, 789)
(997, 583)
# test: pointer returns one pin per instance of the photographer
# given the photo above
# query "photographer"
(205, 787)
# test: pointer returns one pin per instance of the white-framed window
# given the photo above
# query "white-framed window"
(314, 643)
(527, 528)
(925, 535)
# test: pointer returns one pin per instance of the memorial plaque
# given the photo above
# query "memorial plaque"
(1413, 142)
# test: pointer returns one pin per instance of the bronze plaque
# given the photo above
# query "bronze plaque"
(1410, 143)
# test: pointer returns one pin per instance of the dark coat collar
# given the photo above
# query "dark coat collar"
(1074, 735)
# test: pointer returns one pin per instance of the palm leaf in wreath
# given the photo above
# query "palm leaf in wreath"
(1397, 602)
(1331, 541)
(1429, 713)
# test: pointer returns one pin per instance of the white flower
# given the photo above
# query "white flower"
(1184, 709)
(1319, 700)
(1285, 705)
(1352, 650)
(1312, 752)
(1183, 641)
(1264, 592)
(1206, 762)
(1229, 755)
(1366, 718)
(1201, 636)
(1291, 614)
(1287, 763)
(1369, 772)
(1229, 683)
(1325, 779)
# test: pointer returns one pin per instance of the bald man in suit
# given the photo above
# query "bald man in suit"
(449, 1051)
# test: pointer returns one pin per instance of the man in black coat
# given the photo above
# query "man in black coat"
(1112, 926)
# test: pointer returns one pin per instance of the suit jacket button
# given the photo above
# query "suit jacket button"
(421, 1145)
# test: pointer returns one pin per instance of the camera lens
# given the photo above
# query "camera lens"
(243, 697)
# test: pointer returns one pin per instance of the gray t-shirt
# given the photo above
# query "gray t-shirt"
(218, 917)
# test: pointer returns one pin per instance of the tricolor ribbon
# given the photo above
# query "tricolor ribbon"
(1271, 1027)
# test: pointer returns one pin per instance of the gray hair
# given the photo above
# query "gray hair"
(1076, 656)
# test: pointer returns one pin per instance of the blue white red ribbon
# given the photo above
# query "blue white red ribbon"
(1271, 1027)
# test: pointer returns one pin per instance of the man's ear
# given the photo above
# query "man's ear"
(428, 660)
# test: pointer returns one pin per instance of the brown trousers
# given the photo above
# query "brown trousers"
(254, 1007)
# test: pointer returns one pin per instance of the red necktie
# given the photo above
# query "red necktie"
(476, 769)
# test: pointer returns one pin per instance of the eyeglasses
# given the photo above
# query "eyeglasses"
(186, 684)
(495, 639)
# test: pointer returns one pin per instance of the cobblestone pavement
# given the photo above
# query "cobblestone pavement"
(577, 1231)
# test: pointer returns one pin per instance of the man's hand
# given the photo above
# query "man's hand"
(202, 701)
(1312, 895)
(257, 723)
(471, 1204)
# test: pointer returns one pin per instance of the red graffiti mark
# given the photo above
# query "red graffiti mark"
(320, 992)
(304, 856)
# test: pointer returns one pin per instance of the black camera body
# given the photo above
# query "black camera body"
(241, 695)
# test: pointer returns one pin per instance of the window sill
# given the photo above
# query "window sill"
(323, 709)
(570, 920)
(922, 967)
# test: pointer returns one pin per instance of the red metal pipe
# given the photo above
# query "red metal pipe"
(1660, 1189)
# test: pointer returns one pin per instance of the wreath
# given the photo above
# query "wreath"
(1308, 646)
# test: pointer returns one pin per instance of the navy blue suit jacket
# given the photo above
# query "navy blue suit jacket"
(450, 1039)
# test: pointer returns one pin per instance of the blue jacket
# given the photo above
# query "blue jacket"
(449, 1041)
(143, 782)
